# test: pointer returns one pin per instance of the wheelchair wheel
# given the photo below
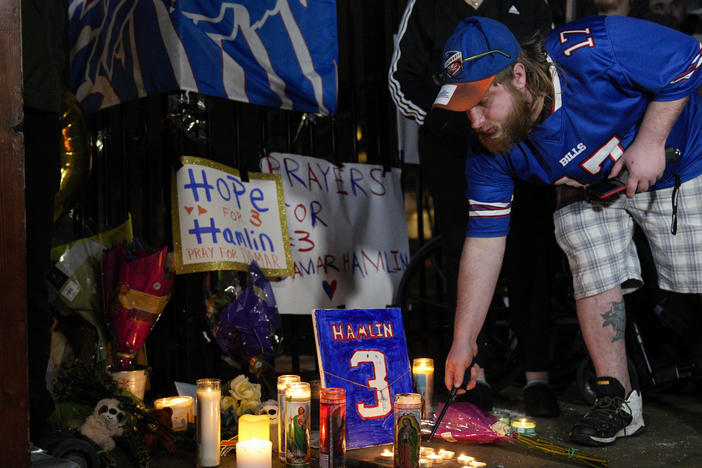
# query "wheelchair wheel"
(586, 379)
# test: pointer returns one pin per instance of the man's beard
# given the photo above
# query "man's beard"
(513, 130)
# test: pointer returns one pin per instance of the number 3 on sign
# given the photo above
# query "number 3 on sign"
(379, 383)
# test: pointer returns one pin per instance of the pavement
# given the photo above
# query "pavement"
(673, 437)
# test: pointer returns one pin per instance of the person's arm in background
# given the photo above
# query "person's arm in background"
(411, 86)
(481, 261)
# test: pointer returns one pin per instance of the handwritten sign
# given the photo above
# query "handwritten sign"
(222, 223)
(348, 233)
(365, 353)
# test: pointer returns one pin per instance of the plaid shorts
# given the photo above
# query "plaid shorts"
(597, 237)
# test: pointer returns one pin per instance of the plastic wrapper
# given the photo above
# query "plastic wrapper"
(243, 320)
(466, 423)
(74, 287)
(137, 288)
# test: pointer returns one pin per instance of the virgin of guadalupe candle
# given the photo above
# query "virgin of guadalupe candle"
(423, 377)
(332, 427)
(283, 381)
(408, 409)
(297, 424)
(208, 422)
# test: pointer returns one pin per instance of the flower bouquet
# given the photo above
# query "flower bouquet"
(244, 320)
(137, 285)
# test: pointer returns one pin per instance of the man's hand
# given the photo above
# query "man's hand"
(459, 359)
(645, 166)
(645, 157)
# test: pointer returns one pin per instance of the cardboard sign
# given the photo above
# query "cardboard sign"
(348, 233)
(222, 223)
(364, 351)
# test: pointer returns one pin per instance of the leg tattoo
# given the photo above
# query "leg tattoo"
(616, 317)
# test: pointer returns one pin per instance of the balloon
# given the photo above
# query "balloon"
(76, 157)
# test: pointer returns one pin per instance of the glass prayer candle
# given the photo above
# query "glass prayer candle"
(408, 409)
(283, 381)
(182, 407)
(297, 424)
(332, 427)
(208, 422)
(423, 377)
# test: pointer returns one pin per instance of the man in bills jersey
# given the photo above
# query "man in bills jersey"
(591, 99)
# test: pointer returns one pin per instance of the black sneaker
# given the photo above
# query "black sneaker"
(540, 400)
(612, 415)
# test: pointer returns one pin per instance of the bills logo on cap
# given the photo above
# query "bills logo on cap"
(452, 62)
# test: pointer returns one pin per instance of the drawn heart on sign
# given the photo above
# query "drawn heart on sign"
(329, 288)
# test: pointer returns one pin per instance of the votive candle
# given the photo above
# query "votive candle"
(524, 426)
(208, 421)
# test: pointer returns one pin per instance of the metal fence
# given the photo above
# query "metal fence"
(136, 146)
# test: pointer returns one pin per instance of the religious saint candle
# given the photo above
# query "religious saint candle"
(182, 407)
(283, 381)
(297, 424)
(423, 377)
(254, 453)
(254, 426)
(208, 422)
(408, 409)
(332, 427)
(524, 426)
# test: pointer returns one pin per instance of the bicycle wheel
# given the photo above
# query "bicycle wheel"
(421, 294)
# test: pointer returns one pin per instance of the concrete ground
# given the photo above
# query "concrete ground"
(673, 438)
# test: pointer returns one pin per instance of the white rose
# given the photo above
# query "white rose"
(241, 389)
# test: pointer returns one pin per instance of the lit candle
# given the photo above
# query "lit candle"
(408, 409)
(297, 423)
(283, 381)
(425, 463)
(423, 377)
(182, 407)
(254, 426)
(208, 421)
(524, 426)
(386, 453)
(424, 451)
(254, 453)
(435, 458)
(464, 459)
(332, 428)
(446, 454)
(475, 464)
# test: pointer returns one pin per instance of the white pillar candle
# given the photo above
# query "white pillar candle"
(208, 421)
(254, 453)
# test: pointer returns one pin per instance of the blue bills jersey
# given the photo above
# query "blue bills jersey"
(609, 69)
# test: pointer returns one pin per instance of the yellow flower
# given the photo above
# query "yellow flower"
(242, 389)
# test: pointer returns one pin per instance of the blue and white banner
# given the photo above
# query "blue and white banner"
(276, 53)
